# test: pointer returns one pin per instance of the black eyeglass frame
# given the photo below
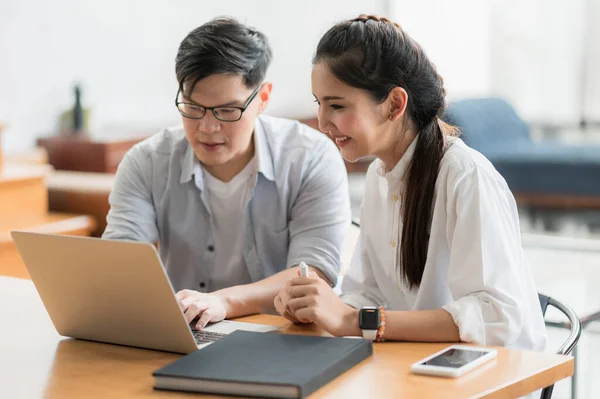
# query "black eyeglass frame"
(213, 109)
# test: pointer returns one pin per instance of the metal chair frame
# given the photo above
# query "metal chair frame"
(570, 345)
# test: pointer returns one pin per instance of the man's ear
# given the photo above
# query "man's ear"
(264, 95)
(398, 100)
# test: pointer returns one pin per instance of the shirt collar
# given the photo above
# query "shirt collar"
(190, 166)
(399, 171)
(263, 151)
(187, 164)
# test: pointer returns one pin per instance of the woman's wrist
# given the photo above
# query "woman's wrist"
(350, 326)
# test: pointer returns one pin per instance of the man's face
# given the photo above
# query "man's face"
(219, 143)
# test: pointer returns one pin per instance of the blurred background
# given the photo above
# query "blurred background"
(522, 79)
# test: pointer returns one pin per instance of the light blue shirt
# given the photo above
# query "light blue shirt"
(299, 207)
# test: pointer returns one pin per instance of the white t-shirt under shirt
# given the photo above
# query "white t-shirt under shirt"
(227, 201)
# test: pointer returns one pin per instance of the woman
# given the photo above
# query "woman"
(440, 257)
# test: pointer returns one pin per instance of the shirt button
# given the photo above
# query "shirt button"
(202, 284)
(395, 197)
(211, 248)
(392, 244)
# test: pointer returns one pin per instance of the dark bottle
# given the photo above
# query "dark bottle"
(77, 112)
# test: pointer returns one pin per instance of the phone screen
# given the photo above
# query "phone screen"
(454, 358)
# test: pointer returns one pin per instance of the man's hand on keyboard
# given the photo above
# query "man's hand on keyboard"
(209, 308)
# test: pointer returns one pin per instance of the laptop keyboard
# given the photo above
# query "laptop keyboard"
(203, 337)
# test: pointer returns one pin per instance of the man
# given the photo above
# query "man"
(235, 199)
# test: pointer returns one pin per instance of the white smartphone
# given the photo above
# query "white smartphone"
(454, 361)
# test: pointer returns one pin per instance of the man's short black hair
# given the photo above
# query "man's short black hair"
(223, 46)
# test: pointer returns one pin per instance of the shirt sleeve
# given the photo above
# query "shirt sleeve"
(320, 216)
(359, 287)
(132, 215)
(486, 273)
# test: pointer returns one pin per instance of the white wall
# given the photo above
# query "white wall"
(537, 57)
(541, 55)
(123, 52)
(455, 35)
(529, 51)
(591, 70)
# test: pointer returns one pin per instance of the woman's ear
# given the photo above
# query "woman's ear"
(398, 100)
(264, 95)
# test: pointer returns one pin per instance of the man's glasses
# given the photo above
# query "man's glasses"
(224, 114)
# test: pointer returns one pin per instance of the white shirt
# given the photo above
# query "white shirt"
(227, 201)
(475, 267)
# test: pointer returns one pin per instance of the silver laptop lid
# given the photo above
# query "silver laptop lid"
(105, 290)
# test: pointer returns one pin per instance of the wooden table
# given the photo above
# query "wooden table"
(36, 362)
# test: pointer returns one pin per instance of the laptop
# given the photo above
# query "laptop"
(114, 292)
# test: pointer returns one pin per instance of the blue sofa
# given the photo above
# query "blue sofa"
(546, 174)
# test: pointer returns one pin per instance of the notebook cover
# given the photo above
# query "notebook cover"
(306, 362)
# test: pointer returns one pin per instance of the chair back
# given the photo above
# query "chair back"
(575, 331)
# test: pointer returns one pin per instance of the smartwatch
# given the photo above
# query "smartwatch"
(368, 321)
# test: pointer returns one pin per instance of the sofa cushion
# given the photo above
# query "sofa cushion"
(551, 169)
(488, 124)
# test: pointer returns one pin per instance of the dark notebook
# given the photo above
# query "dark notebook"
(264, 365)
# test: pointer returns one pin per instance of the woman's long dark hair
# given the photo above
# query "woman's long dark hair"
(376, 55)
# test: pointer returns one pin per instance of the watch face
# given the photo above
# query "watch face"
(369, 319)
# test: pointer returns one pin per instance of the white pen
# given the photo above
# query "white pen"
(303, 269)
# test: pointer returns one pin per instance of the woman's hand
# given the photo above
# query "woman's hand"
(312, 299)
(281, 304)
